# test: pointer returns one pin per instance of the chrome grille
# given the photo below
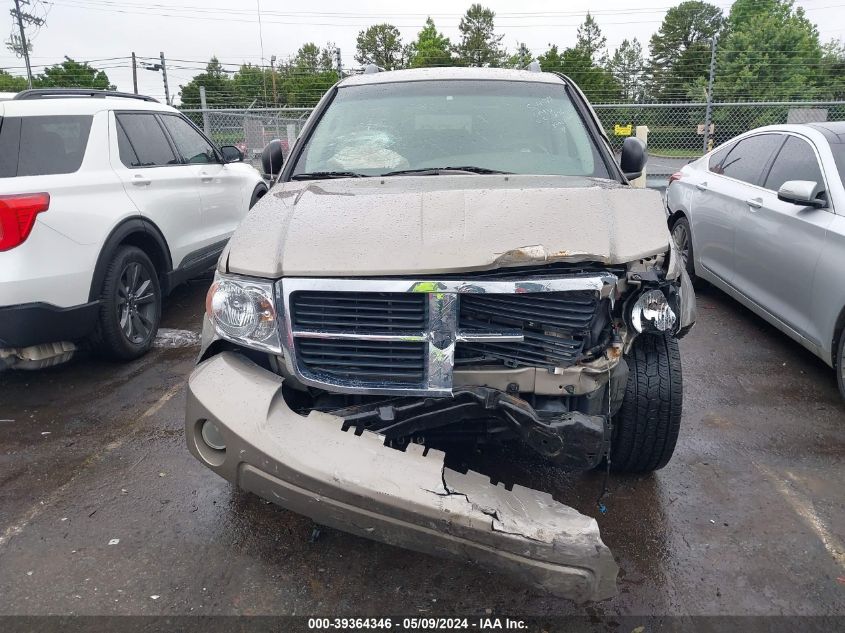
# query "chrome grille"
(387, 336)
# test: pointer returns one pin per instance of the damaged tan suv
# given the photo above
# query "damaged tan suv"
(448, 255)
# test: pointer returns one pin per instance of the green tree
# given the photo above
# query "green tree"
(627, 67)
(252, 85)
(218, 87)
(307, 58)
(596, 81)
(431, 48)
(521, 58)
(381, 45)
(590, 40)
(12, 83)
(479, 45)
(73, 74)
(771, 51)
(680, 50)
(833, 70)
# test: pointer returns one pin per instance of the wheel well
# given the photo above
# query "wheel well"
(674, 217)
(141, 234)
(837, 335)
(148, 244)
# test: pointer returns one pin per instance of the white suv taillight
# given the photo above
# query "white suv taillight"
(17, 217)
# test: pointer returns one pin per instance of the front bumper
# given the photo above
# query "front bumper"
(356, 484)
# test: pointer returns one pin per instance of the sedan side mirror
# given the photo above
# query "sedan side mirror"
(807, 193)
(231, 154)
(272, 158)
(634, 158)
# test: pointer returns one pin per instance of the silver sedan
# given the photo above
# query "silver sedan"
(762, 217)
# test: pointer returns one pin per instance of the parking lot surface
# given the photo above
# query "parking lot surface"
(103, 511)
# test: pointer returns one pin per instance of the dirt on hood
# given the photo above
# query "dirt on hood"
(436, 224)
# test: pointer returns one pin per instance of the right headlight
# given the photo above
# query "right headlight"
(243, 310)
(653, 312)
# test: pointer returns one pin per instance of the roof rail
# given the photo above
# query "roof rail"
(42, 93)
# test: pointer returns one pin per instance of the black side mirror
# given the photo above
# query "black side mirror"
(272, 158)
(634, 157)
(231, 154)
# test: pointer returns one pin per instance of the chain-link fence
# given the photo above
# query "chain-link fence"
(676, 130)
(250, 130)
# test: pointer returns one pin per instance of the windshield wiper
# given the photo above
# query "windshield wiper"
(325, 175)
(436, 171)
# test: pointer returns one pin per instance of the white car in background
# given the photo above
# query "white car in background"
(107, 201)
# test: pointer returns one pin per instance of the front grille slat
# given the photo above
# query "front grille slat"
(361, 312)
(379, 361)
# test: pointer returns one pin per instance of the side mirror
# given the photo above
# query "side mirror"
(231, 154)
(807, 193)
(634, 157)
(272, 158)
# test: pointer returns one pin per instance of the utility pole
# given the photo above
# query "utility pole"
(164, 76)
(134, 73)
(708, 115)
(339, 63)
(273, 77)
(206, 125)
(21, 18)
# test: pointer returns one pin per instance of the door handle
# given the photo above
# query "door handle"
(701, 186)
(205, 177)
(141, 181)
(754, 203)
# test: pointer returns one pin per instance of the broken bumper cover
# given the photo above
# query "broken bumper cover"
(356, 484)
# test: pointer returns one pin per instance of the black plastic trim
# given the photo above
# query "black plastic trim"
(120, 233)
(35, 323)
(40, 93)
(195, 263)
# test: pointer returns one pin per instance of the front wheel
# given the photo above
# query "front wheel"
(840, 365)
(682, 234)
(130, 306)
(645, 429)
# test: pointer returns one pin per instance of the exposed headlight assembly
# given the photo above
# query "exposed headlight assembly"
(243, 310)
(652, 312)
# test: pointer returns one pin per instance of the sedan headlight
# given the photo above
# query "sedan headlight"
(243, 310)
(653, 312)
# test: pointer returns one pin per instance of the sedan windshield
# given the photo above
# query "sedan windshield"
(448, 127)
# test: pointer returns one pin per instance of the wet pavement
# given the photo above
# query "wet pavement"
(103, 511)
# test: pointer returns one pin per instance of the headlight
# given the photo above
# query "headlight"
(652, 311)
(243, 311)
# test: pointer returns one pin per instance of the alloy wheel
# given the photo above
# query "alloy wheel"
(136, 303)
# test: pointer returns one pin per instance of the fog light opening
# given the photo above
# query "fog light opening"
(212, 436)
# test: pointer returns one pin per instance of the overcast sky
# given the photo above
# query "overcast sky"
(191, 31)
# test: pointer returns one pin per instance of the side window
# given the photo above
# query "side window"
(43, 145)
(796, 161)
(747, 159)
(142, 142)
(190, 143)
(717, 158)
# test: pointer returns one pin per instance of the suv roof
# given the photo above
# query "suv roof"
(439, 74)
(76, 101)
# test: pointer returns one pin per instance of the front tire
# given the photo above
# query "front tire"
(645, 429)
(130, 306)
(682, 234)
(840, 364)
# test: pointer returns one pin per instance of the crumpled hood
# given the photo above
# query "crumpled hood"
(438, 224)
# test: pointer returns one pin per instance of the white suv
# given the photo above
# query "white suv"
(107, 201)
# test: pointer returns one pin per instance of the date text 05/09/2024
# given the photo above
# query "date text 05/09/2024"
(417, 623)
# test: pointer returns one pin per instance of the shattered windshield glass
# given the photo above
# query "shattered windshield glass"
(507, 126)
